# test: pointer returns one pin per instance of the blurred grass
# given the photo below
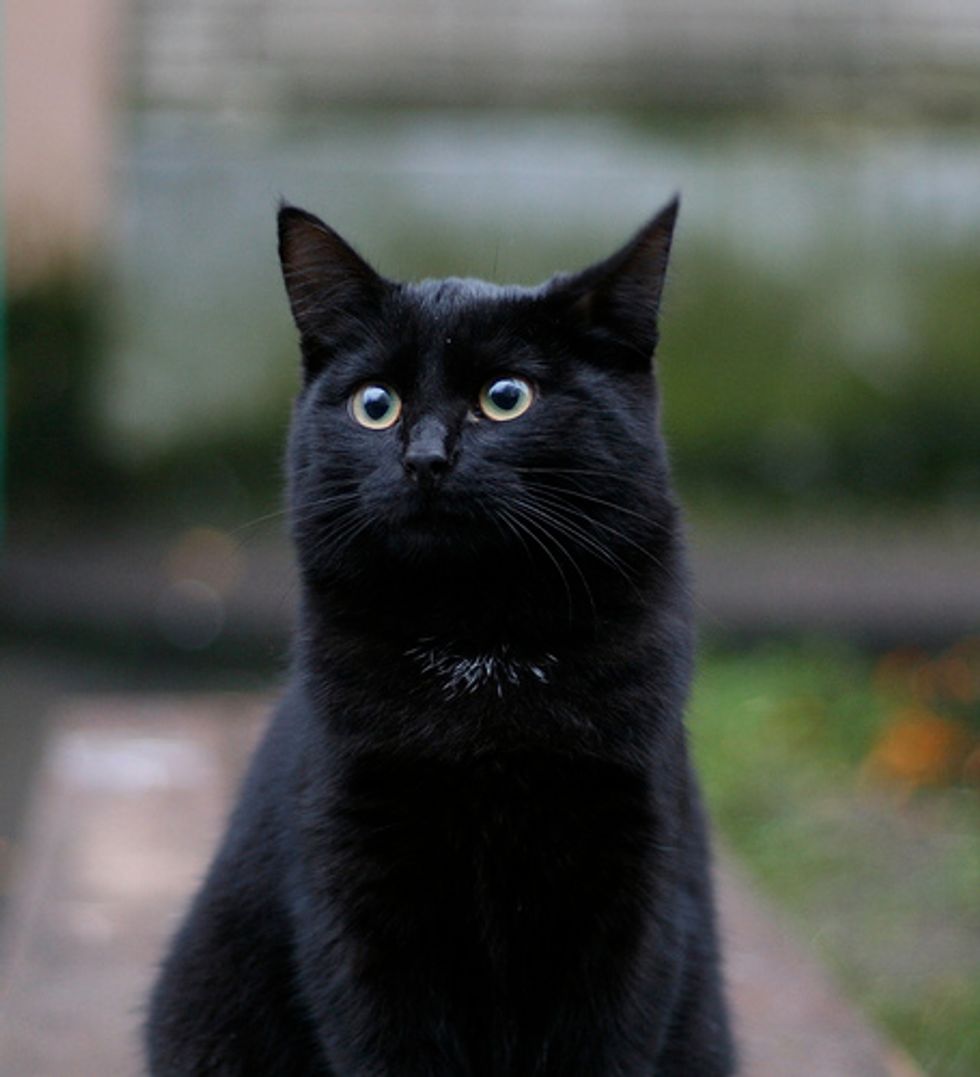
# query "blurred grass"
(879, 866)
(796, 387)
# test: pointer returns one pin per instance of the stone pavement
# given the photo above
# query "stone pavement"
(131, 798)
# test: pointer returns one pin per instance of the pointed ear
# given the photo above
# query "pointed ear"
(331, 288)
(621, 295)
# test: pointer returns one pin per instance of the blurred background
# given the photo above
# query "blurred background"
(820, 364)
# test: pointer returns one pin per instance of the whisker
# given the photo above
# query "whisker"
(308, 512)
(554, 504)
(578, 493)
(540, 523)
(546, 494)
(236, 531)
(589, 472)
(524, 526)
(349, 525)
(577, 534)
(500, 516)
(300, 513)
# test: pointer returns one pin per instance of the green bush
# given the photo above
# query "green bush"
(56, 339)
(787, 390)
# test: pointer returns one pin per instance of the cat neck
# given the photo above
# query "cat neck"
(460, 671)
(474, 633)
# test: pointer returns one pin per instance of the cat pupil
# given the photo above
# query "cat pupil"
(505, 394)
(377, 402)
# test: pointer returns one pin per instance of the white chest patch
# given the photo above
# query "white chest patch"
(496, 671)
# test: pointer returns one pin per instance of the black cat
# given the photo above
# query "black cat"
(471, 842)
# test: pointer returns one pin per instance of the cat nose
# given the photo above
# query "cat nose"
(426, 466)
(426, 459)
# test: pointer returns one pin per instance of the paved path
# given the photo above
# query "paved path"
(131, 799)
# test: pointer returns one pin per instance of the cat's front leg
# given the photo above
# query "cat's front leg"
(226, 1003)
(699, 1041)
(376, 1003)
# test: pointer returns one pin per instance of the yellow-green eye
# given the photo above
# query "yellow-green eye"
(375, 406)
(506, 398)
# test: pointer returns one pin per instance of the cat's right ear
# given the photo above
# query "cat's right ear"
(331, 289)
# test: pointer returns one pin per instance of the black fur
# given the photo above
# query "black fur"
(471, 842)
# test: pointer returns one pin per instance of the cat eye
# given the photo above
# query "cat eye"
(375, 406)
(506, 398)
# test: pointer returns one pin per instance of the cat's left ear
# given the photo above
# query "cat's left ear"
(621, 294)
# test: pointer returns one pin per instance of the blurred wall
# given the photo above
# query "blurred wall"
(282, 52)
(59, 75)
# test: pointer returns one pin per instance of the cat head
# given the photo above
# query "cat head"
(454, 425)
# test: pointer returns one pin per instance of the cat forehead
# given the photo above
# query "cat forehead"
(453, 301)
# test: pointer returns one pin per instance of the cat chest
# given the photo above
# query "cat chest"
(509, 866)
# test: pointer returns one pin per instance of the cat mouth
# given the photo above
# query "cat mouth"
(424, 505)
(434, 516)
(434, 520)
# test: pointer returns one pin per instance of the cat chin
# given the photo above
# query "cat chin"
(431, 538)
(438, 517)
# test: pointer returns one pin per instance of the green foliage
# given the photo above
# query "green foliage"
(55, 344)
(60, 461)
(882, 879)
(802, 389)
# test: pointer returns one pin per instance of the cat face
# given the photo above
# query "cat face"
(447, 422)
